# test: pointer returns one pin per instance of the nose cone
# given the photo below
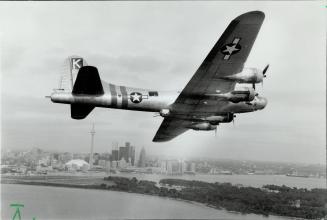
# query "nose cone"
(262, 102)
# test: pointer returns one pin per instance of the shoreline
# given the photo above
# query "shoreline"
(95, 187)
(265, 201)
(257, 181)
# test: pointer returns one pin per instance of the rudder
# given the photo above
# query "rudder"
(69, 72)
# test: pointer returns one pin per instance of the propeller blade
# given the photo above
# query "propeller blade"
(216, 131)
(265, 70)
(253, 85)
(234, 116)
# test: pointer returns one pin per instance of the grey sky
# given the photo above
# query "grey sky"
(160, 45)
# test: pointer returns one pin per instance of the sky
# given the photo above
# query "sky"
(160, 45)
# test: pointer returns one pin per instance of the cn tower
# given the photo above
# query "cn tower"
(92, 132)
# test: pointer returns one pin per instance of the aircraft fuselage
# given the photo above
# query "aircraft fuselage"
(137, 99)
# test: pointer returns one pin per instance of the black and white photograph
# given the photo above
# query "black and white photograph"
(163, 110)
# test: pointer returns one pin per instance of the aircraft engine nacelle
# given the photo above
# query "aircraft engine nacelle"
(216, 119)
(248, 75)
(242, 94)
(202, 126)
(245, 94)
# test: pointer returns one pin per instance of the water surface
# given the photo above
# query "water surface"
(246, 180)
(44, 202)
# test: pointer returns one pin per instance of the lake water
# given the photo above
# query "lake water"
(43, 202)
(246, 180)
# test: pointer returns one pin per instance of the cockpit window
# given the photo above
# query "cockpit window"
(153, 93)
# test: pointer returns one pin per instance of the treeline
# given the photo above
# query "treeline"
(271, 199)
(131, 185)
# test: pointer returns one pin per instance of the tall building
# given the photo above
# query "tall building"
(65, 157)
(172, 167)
(102, 163)
(96, 158)
(123, 153)
(193, 167)
(142, 160)
(115, 155)
(190, 166)
(128, 153)
(132, 155)
(163, 167)
(55, 156)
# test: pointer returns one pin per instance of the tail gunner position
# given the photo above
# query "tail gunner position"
(211, 97)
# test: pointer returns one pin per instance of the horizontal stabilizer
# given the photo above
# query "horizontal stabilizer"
(88, 82)
(80, 111)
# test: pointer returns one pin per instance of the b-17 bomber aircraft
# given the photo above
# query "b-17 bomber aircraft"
(211, 96)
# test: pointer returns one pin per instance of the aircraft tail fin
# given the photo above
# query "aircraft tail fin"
(69, 72)
(88, 82)
(85, 80)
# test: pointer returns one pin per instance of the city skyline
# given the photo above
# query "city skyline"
(55, 161)
(154, 45)
(158, 156)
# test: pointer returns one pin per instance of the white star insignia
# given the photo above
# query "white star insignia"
(231, 49)
(136, 97)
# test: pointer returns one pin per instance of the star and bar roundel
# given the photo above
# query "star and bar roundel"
(232, 48)
(137, 97)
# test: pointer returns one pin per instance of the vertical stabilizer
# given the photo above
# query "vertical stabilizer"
(71, 67)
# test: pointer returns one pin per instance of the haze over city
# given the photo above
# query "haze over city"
(154, 45)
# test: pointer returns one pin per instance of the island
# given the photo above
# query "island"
(267, 200)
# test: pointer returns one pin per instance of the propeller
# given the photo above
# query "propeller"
(265, 70)
(264, 76)
(234, 116)
(264, 73)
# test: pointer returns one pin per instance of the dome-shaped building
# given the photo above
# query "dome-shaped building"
(77, 164)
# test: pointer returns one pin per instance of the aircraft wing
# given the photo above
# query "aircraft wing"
(170, 128)
(227, 57)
